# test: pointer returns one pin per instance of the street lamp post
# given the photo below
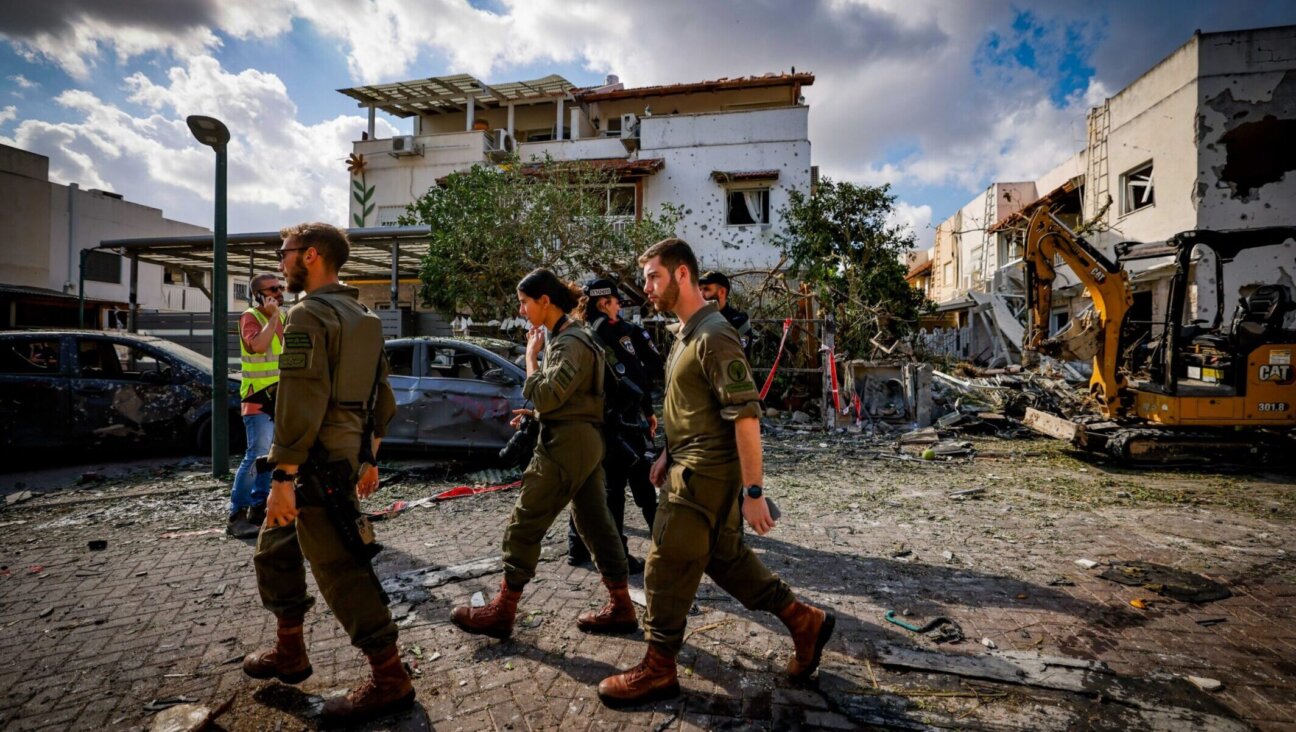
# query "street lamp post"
(214, 134)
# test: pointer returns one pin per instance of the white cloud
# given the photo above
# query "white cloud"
(917, 219)
(22, 82)
(8, 114)
(904, 90)
(280, 170)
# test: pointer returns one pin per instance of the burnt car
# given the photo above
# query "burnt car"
(95, 389)
(454, 394)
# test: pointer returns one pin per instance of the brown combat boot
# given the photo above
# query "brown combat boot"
(388, 690)
(618, 616)
(287, 661)
(811, 628)
(653, 679)
(495, 619)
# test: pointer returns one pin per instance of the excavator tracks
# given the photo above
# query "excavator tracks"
(1156, 446)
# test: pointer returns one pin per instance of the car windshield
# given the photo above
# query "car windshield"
(189, 357)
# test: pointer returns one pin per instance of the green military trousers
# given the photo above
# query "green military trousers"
(698, 530)
(347, 583)
(567, 467)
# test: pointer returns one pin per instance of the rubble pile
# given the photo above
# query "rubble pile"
(1056, 387)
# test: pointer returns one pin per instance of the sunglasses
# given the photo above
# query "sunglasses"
(273, 290)
(283, 252)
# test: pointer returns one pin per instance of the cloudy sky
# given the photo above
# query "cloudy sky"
(936, 97)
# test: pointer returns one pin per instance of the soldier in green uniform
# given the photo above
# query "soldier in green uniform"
(331, 358)
(713, 451)
(567, 465)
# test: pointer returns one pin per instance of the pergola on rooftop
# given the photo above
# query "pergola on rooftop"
(452, 94)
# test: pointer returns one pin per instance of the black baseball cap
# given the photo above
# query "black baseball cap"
(714, 278)
(601, 287)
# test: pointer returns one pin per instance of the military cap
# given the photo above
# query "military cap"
(601, 287)
(714, 278)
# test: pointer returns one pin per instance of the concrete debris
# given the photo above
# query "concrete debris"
(181, 718)
(1086, 563)
(801, 417)
(18, 497)
(989, 643)
(1206, 684)
(478, 600)
(924, 436)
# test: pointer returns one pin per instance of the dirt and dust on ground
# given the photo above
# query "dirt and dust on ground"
(1007, 539)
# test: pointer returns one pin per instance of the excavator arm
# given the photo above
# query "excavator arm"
(1047, 238)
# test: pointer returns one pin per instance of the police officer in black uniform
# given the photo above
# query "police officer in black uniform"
(715, 286)
(633, 358)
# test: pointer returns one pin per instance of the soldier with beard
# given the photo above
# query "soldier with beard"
(713, 451)
(331, 370)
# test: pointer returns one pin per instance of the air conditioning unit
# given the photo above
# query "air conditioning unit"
(404, 146)
(500, 145)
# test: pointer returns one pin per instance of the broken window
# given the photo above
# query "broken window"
(103, 267)
(30, 357)
(746, 207)
(1137, 189)
(401, 359)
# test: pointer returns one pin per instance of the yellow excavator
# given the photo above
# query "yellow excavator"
(1205, 391)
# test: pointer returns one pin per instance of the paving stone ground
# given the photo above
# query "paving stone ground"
(90, 637)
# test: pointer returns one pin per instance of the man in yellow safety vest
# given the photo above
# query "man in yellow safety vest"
(261, 330)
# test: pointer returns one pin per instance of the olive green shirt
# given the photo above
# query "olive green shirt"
(708, 385)
(314, 345)
(568, 387)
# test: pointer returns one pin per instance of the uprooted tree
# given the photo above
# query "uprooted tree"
(839, 241)
(492, 225)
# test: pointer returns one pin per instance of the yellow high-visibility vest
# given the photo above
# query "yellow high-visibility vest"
(260, 370)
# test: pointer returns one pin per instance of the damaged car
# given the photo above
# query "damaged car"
(454, 393)
(94, 389)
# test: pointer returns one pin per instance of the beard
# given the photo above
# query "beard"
(669, 295)
(295, 277)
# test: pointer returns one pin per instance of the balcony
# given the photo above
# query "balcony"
(591, 148)
(780, 124)
(445, 148)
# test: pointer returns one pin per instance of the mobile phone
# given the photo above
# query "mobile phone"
(258, 299)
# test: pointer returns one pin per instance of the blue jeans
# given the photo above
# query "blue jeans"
(251, 489)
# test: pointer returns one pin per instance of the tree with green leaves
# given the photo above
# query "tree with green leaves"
(490, 225)
(840, 242)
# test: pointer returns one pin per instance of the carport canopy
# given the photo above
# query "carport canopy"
(378, 252)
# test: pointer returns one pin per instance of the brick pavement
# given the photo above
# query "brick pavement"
(91, 636)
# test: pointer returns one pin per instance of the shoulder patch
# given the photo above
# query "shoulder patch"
(297, 341)
(736, 370)
(289, 361)
(628, 345)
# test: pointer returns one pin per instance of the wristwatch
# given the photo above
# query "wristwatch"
(280, 476)
(754, 491)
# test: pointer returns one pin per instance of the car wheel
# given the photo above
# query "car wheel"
(237, 441)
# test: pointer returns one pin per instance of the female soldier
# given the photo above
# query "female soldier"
(635, 359)
(567, 465)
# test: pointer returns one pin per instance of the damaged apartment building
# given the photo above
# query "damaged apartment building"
(1203, 140)
(726, 151)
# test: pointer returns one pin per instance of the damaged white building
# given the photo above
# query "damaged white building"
(726, 151)
(1203, 140)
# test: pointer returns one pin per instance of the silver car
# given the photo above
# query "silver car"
(453, 393)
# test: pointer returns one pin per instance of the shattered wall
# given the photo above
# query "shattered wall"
(1245, 133)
